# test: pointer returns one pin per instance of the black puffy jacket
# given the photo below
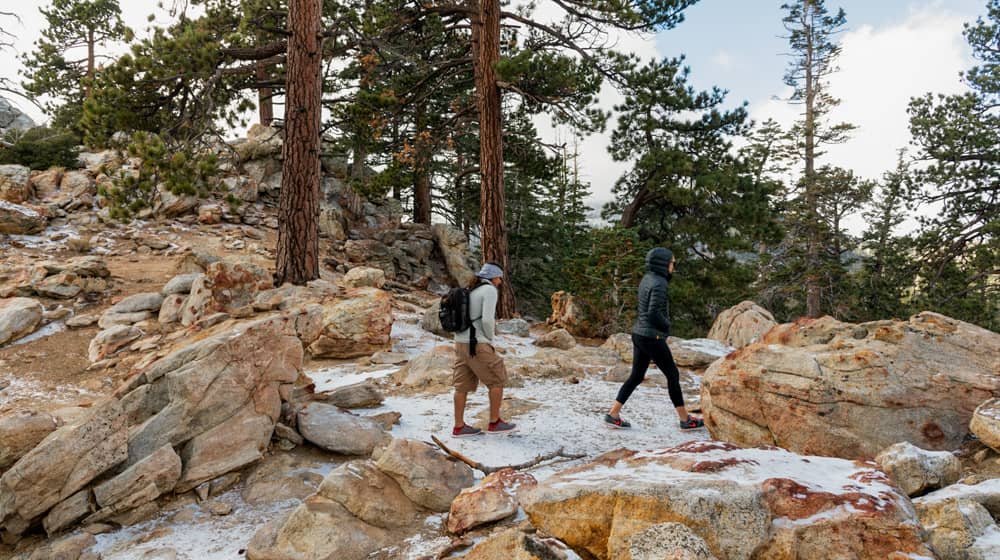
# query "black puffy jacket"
(654, 305)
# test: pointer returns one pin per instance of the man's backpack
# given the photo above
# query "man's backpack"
(454, 312)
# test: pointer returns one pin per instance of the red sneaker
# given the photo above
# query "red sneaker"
(465, 431)
(692, 423)
(500, 427)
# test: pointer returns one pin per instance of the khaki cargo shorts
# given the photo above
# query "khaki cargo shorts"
(485, 366)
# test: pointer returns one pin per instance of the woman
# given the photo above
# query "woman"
(649, 341)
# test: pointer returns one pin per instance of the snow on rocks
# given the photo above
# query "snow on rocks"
(491, 500)
(765, 502)
(915, 470)
(824, 387)
(20, 220)
(19, 317)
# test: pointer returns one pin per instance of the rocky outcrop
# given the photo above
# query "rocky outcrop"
(742, 324)
(364, 277)
(357, 325)
(62, 464)
(363, 506)
(916, 471)
(20, 432)
(830, 388)
(19, 317)
(201, 411)
(20, 220)
(224, 288)
(744, 503)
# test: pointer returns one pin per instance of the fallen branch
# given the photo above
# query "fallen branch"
(485, 469)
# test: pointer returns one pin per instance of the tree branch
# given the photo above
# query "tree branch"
(488, 470)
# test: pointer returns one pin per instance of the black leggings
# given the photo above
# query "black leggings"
(644, 349)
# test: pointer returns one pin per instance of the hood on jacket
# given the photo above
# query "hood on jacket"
(658, 261)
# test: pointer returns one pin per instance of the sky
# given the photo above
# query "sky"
(892, 50)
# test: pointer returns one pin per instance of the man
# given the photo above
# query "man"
(481, 362)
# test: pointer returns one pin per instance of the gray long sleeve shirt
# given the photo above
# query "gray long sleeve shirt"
(483, 310)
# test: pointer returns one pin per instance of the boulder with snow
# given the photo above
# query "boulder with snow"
(20, 220)
(742, 324)
(514, 544)
(744, 503)
(915, 470)
(959, 524)
(491, 500)
(823, 387)
(19, 317)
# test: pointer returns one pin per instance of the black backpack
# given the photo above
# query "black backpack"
(454, 312)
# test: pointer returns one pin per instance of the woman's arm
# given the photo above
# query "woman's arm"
(659, 308)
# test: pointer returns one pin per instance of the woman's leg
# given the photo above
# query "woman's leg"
(640, 363)
(664, 360)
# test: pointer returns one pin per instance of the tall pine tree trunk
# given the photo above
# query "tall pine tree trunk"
(265, 108)
(91, 43)
(298, 205)
(493, 230)
(421, 170)
(813, 244)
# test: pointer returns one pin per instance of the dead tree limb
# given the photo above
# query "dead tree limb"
(485, 469)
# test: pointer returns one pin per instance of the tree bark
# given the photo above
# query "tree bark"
(493, 229)
(265, 108)
(813, 247)
(298, 204)
(91, 42)
(421, 171)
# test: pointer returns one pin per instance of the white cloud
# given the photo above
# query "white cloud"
(881, 69)
(723, 59)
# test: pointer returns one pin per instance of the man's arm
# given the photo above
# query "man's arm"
(489, 311)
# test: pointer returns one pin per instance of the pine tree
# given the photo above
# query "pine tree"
(958, 246)
(53, 68)
(297, 259)
(811, 37)
(687, 189)
(886, 280)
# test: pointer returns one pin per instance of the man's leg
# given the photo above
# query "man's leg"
(460, 398)
(496, 399)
